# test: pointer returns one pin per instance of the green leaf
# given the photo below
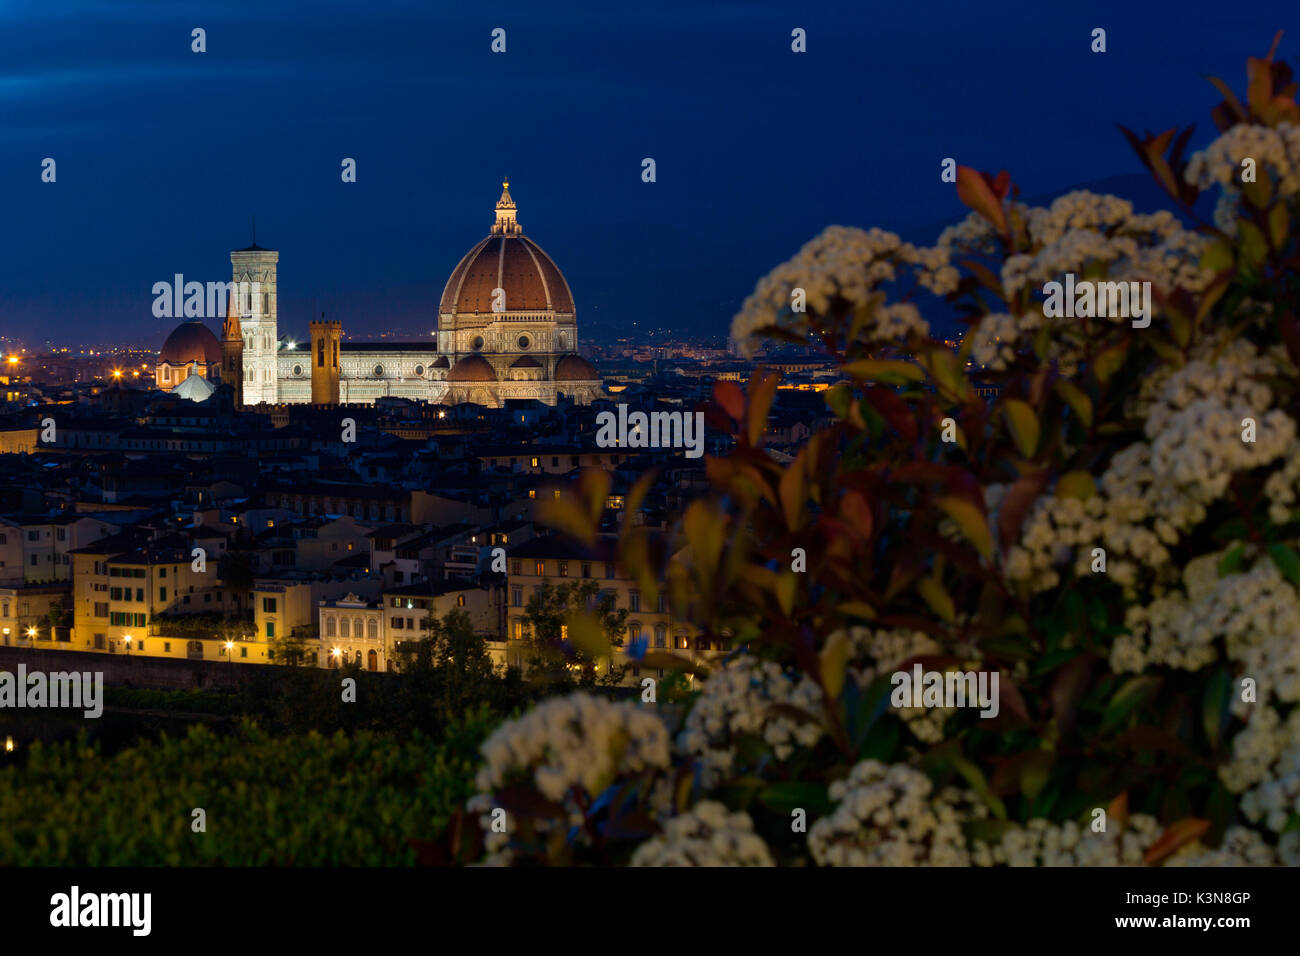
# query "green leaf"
(1034, 773)
(1078, 401)
(972, 775)
(1107, 362)
(1135, 692)
(1214, 705)
(971, 521)
(1253, 244)
(1023, 423)
(1231, 562)
(792, 795)
(1287, 561)
(1076, 484)
(892, 372)
(938, 598)
(1278, 225)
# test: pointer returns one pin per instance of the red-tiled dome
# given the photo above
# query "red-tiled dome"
(506, 260)
(472, 368)
(191, 342)
(575, 368)
(532, 282)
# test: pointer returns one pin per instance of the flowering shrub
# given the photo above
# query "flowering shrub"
(1113, 533)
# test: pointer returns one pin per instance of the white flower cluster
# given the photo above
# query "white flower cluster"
(1276, 149)
(1078, 232)
(1043, 843)
(1241, 846)
(887, 816)
(881, 651)
(848, 263)
(1153, 492)
(1255, 613)
(1266, 759)
(974, 234)
(578, 741)
(740, 698)
(709, 835)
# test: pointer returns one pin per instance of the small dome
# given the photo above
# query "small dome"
(526, 361)
(575, 368)
(191, 342)
(440, 362)
(196, 388)
(472, 368)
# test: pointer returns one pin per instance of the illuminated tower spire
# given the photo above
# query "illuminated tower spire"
(506, 224)
(232, 349)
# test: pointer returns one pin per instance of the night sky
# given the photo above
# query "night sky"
(164, 155)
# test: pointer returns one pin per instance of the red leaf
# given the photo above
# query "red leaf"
(855, 510)
(1016, 505)
(1177, 834)
(978, 192)
(731, 398)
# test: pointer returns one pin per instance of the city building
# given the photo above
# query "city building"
(506, 330)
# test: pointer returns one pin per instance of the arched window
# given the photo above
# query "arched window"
(357, 659)
(661, 635)
(329, 627)
(372, 629)
(345, 627)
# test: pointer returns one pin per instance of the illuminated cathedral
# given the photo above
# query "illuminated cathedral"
(507, 328)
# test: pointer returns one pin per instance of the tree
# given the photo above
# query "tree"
(290, 649)
(571, 627)
(450, 671)
(237, 570)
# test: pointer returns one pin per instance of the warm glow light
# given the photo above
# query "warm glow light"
(13, 360)
(9, 745)
(127, 638)
(117, 373)
(31, 632)
(230, 645)
(336, 652)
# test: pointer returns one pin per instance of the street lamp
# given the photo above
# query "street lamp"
(336, 652)
(6, 633)
(127, 638)
(31, 634)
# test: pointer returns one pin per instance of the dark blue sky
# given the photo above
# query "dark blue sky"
(164, 155)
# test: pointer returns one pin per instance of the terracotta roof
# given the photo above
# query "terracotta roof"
(531, 280)
(575, 368)
(191, 342)
(472, 368)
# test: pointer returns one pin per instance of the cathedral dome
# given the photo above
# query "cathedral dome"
(191, 342)
(509, 261)
(472, 368)
(575, 368)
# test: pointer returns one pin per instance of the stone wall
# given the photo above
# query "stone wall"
(138, 671)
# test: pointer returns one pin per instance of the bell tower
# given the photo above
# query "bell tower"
(325, 336)
(253, 270)
(232, 350)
